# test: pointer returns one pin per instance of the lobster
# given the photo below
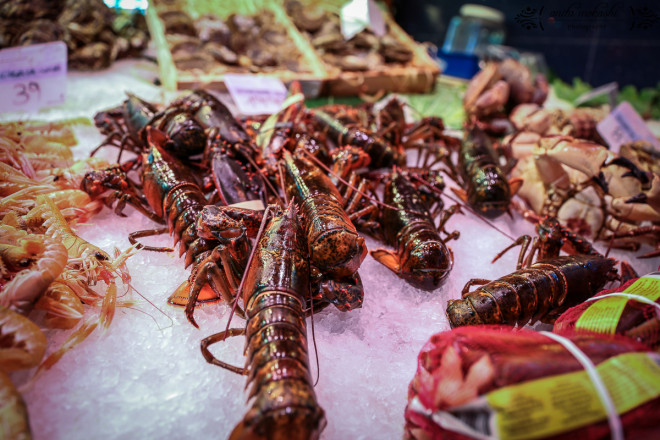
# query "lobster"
(425, 135)
(125, 127)
(345, 130)
(193, 124)
(229, 152)
(112, 184)
(488, 190)
(216, 244)
(539, 291)
(275, 290)
(334, 244)
(334, 247)
(421, 258)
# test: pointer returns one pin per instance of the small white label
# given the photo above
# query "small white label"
(358, 15)
(255, 205)
(256, 95)
(33, 77)
(624, 125)
(609, 89)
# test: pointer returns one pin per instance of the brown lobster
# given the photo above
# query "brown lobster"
(275, 291)
(486, 187)
(539, 291)
(421, 256)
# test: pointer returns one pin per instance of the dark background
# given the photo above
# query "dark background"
(622, 44)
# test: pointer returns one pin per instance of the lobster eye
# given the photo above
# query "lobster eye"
(100, 256)
(25, 262)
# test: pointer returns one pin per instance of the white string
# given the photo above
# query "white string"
(639, 298)
(616, 428)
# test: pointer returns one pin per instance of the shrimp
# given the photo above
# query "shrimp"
(36, 261)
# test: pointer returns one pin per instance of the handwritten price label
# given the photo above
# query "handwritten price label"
(624, 125)
(33, 77)
(256, 95)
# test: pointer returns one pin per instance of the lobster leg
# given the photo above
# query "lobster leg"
(217, 337)
(135, 202)
(473, 282)
(364, 216)
(524, 241)
(640, 231)
(445, 215)
(221, 282)
(133, 236)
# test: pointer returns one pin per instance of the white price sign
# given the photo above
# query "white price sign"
(357, 15)
(625, 125)
(256, 95)
(33, 77)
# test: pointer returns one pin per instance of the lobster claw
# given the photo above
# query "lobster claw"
(344, 293)
(232, 182)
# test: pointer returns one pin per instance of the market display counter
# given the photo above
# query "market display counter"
(145, 376)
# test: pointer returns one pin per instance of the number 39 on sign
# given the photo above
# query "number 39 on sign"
(24, 92)
(33, 77)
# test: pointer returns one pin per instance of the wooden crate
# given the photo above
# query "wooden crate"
(173, 78)
(418, 76)
(322, 79)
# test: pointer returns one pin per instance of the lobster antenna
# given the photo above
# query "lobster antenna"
(479, 216)
(414, 109)
(265, 180)
(610, 245)
(325, 168)
(281, 173)
(316, 351)
(247, 267)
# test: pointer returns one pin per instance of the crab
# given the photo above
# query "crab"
(497, 88)
(578, 123)
(590, 189)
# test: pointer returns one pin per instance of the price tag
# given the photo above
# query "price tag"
(358, 15)
(255, 205)
(624, 125)
(609, 89)
(33, 77)
(256, 95)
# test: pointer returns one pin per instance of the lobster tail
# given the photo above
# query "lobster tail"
(281, 394)
(487, 189)
(540, 292)
(304, 423)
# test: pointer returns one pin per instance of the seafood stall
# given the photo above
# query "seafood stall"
(146, 203)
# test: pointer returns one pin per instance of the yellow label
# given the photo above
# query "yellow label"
(550, 406)
(603, 315)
